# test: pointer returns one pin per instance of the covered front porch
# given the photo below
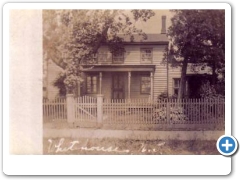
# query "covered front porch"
(119, 82)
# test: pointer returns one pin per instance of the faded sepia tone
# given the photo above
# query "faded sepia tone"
(118, 101)
(133, 81)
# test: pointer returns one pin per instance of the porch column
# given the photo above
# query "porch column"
(129, 85)
(151, 93)
(100, 82)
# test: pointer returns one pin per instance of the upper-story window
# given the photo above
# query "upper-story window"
(102, 56)
(118, 58)
(146, 55)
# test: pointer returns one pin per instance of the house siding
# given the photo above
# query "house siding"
(132, 55)
(52, 74)
(160, 74)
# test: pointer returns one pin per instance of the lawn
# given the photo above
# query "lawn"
(110, 146)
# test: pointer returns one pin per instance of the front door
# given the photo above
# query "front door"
(118, 86)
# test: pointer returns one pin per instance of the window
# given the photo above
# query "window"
(102, 57)
(92, 84)
(145, 84)
(146, 55)
(118, 58)
(176, 86)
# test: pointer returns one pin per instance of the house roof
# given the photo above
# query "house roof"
(151, 39)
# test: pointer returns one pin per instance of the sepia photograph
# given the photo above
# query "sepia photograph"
(133, 82)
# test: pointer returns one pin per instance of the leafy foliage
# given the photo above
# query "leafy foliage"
(71, 38)
(209, 91)
(198, 36)
(59, 83)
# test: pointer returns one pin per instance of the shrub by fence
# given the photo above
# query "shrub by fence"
(197, 111)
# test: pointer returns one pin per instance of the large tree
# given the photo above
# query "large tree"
(198, 37)
(72, 38)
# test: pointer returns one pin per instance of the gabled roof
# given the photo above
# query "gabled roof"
(151, 39)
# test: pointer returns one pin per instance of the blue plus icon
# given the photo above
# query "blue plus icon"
(227, 145)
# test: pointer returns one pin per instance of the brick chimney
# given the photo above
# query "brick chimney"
(163, 31)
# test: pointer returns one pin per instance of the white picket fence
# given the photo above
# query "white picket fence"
(55, 110)
(138, 111)
(168, 111)
(125, 111)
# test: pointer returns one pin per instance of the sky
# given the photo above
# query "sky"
(154, 24)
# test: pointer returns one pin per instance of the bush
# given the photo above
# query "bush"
(163, 96)
(208, 91)
(176, 114)
(59, 83)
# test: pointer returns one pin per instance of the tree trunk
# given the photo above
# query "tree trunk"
(182, 87)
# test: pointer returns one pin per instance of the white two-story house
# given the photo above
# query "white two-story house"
(136, 73)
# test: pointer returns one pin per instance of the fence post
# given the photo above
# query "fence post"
(99, 109)
(70, 110)
(168, 111)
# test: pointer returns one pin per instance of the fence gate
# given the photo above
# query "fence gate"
(85, 109)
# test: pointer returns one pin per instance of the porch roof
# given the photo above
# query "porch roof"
(120, 68)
